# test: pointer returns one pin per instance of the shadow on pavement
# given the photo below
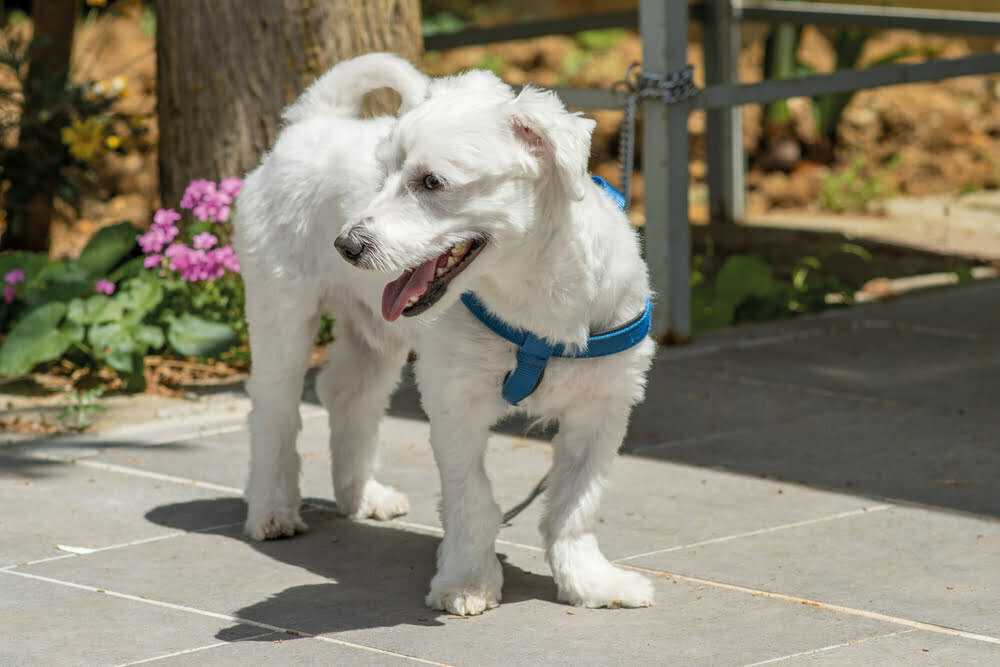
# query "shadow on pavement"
(926, 454)
(376, 575)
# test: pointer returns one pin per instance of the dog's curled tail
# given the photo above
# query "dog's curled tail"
(342, 89)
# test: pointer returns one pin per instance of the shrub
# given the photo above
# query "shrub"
(128, 294)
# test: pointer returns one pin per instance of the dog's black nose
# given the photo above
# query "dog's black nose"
(350, 246)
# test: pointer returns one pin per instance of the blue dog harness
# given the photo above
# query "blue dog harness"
(534, 352)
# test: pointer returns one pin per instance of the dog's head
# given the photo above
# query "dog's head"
(472, 170)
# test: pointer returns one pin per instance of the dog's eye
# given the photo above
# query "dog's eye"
(433, 182)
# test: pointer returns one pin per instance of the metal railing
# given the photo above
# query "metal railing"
(663, 28)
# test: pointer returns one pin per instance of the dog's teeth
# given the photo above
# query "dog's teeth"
(460, 249)
(440, 272)
(413, 300)
(452, 261)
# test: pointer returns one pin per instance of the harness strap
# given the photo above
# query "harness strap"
(534, 352)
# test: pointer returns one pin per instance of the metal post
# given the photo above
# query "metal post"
(665, 170)
(723, 127)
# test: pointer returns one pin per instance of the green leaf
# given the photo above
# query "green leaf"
(141, 296)
(855, 249)
(964, 274)
(29, 262)
(111, 343)
(195, 337)
(35, 339)
(150, 336)
(74, 331)
(106, 249)
(94, 310)
(742, 276)
(129, 269)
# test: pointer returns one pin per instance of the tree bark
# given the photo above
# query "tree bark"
(226, 69)
(29, 200)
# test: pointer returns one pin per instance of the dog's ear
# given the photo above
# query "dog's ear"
(561, 139)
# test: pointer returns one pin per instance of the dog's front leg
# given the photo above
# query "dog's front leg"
(469, 577)
(584, 448)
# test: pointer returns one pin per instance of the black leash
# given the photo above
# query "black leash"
(517, 509)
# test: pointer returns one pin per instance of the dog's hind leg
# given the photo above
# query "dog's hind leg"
(355, 386)
(584, 448)
(280, 345)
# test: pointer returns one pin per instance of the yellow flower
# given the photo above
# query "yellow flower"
(113, 142)
(84, 138)
(119, 86)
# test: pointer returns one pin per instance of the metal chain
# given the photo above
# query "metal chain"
(668, 88)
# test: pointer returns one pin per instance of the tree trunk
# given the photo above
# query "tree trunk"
(226, 69)
(29, 200)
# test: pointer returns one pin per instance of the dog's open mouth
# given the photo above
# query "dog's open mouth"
(420, 288)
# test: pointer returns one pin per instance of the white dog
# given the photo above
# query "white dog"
(478, 191)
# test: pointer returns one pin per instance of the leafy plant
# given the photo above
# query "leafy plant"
(745, 290)
(600, 40)
(80, 406)
(781, 62)
(852, 190)
(120, 301)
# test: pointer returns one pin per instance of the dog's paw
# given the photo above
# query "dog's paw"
(467, 595)
(376, 501)
(612, 588)
(266, 525)
(462, 602)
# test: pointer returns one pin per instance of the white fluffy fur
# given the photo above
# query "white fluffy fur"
(561, 260)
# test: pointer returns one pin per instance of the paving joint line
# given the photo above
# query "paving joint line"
(762, 531)
(196, 649)
(831, 647)
(224, 617)
(799, 388)
(138, 472)
(852, 611)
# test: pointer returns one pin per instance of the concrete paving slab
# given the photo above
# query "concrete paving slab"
(47, 623)
(905, 647)
(911, 563)
(689, 404)
(283, 649)
(690, 624)
(874, 362)
(222, 571)
(647, 505)
(911, 454)
(364, 583)
(48, 503)
(968, 310)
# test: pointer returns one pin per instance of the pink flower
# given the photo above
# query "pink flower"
(226, 258)
(204, 241)
(9, 292)
(14, 277)
(165, 217)
(151, 261)
(105, 287)
(157, 237)
(231, 186)
(195, 191)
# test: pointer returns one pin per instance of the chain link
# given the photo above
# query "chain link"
(668, 88)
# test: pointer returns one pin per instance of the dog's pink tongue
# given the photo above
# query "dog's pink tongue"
(412, 283)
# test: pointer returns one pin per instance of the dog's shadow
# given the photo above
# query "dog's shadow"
(375, 575)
